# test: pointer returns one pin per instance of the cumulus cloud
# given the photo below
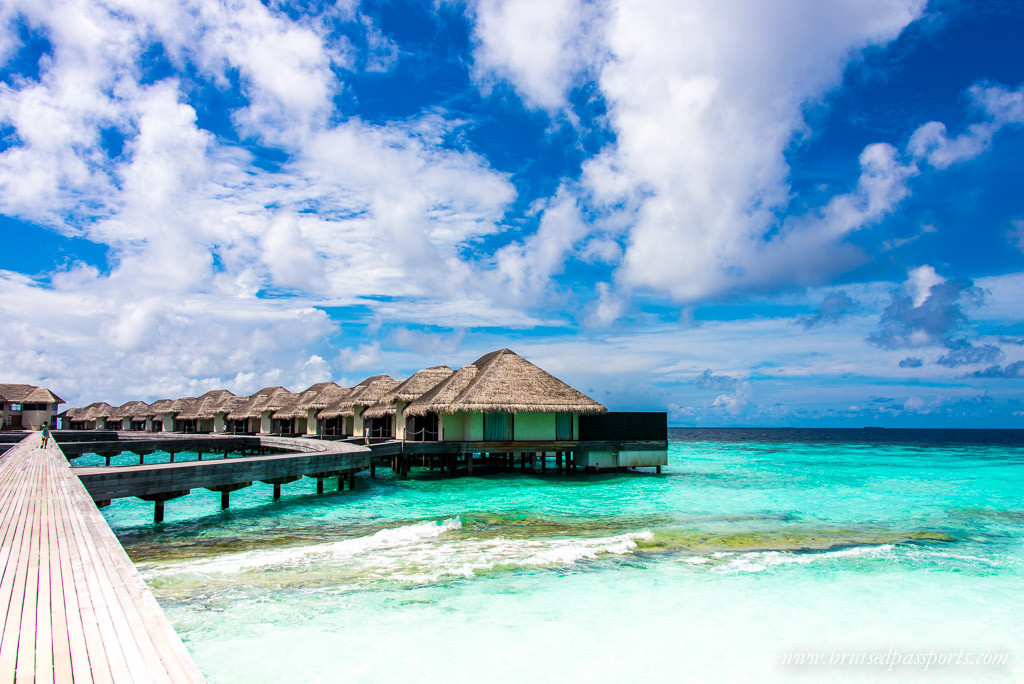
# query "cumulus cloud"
(1011, 370)
(1000, 106)
(539, 46)
(710, 381)
(835, 307)
(701, 130)
(912, 362)
(963, 353)
(917, 317)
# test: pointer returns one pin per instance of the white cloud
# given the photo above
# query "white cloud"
(1001, 107)
(920, 281)
(540, 46)
(704, 100)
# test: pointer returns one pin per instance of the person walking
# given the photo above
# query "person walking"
(45, 435)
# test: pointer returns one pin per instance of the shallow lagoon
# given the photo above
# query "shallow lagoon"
(738, 553)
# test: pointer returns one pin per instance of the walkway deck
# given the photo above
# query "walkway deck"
(74, 607)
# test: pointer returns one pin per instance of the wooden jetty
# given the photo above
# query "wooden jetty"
(74, 606)
(161, 482)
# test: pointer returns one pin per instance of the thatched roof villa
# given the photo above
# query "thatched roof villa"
(258, 410)
(199, 415)
(348, 410)
(27, 406)
(388, 413)
(503, 397)
(302, 410)
(121, 418)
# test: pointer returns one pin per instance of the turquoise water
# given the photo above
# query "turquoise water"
(737, 555)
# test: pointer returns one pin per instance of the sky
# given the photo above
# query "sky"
(789, 213)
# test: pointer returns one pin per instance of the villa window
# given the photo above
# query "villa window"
(498, 427)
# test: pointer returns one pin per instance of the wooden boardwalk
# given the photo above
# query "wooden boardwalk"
(74, 607)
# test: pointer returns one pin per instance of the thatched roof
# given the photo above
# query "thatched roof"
(365, 393)
(408, 390)
(206, 406)
(181, 405)
(267, 399)
(94, 411)
(503, 381)
(158, 407)
(310, 398)
(128, 409)
(28, 394)
(232, 404)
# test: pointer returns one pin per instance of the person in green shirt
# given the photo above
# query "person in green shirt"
(45, 435)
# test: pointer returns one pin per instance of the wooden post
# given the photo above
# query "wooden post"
(351, 480)
(277, 492)
(108, 463)
(141, 459)
(373, 468)
(158, 511)
(657, 469)
(225, 499)
(558, 461)
(319, 485)
(341, 482)
(543, 461)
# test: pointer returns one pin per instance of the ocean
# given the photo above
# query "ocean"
(761, 555)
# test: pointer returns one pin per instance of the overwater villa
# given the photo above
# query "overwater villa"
(255, 416)
(347, 413)
(205, 413)
(27, 407)
(120, 418)
(299, 416)
(386, 417)
(91, 417)
(502, 397)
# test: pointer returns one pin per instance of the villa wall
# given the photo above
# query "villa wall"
(533, 426)
(33, 420)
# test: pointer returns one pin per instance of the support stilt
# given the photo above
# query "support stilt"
(341, 483)
(319, 485)
(657, 469)
(142, 459)
(351, 481)
(108, 462)
(469, 464)
(277, 492)
(225, 500)
(373, 468)
(158, 511)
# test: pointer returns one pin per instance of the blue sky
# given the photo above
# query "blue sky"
(781, 213)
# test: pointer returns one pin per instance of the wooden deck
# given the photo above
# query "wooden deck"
(74, 607)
